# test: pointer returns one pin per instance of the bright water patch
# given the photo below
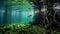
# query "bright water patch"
(18, 12)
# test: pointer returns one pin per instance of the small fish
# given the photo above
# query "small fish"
(29, 15)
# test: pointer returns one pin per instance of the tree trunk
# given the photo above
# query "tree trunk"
(48, 15)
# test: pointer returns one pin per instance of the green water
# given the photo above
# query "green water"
(18, 12)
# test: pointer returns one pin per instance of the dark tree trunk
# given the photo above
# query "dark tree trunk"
(49, 15)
